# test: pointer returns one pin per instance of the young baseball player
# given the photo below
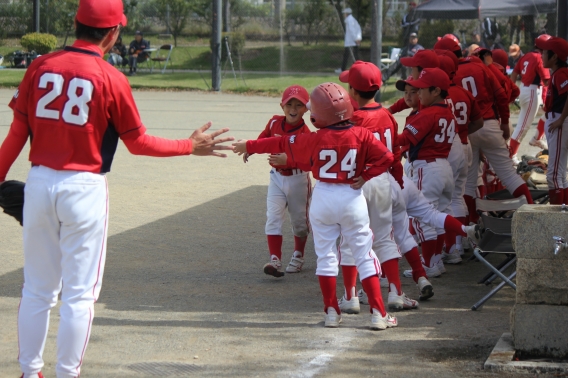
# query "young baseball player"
(342, 159)
(533, 76)
(554, 56)
(364, 81)
(493, 102)
(500, 60)
(430, 134)
(76, 106)
(290, 187)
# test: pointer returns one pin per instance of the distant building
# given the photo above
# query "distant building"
(397, 6)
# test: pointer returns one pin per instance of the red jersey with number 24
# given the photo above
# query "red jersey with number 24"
(430, 133)
(336, 154)
(465, 109)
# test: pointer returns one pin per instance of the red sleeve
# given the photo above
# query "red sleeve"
(397, 171)
(417, 131)
(12, 146)
(517, 68)
(149, 145)
(398, 106)
(501, 97)
(266, 133)
(379, 158)
(266, 145)
(515, 91)
(475, 112)
(122, 110)
(561, 81)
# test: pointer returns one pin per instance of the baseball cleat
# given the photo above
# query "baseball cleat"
(465, 243)
(384, 282)
(379, 322)
(401, 302)
(363, 299)
(430, 272)
(452, 258)
(441, 267)
(425, 288)
(473, 235)
(515, 160)
(38, 375)
(332, 318)
(295, 265)
(538, 143)
(274, 268)
(349, 306)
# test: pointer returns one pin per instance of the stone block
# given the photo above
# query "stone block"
(540, 281)
(533, 227)
(540, 330)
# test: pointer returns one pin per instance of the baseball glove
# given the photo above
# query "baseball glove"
(12, 199)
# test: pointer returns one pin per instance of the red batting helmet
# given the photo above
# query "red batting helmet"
(500, 57)
(452, 36)
(329, 104)
(542, 38)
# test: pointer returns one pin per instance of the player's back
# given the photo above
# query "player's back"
(435, 127)
(530, 68)
(474, 77)
(76, 105)
(378, 121)
(465, 109)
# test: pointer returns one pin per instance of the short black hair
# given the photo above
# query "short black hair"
(90, 33)
(560, 63)
(458, 53)
(419, 68)
(366, 95)
(483, 53)
(443, 92)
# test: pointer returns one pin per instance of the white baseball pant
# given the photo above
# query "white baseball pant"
(378, 195)
(530, 100)
(435, 180)
(293, 192)
(459, 164)
(337, 209)
(65, 232)
(489, 139)
(557, 153)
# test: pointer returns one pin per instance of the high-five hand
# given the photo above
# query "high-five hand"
(206, 144)
(240, 147)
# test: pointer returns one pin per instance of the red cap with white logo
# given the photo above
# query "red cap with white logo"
(101, 13)
(362, 76)
(432, 77)
(422, 58)
(296, 91)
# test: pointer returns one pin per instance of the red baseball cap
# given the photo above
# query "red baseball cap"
(447, 65)
(422, 58)
(447, 43)
(401, 84)
(557, 45)
(296, 91)
(479, 50)
(500, 57)
(448, 54)
(362, 76)
(101, 13)
(432, 77)
(452, 36)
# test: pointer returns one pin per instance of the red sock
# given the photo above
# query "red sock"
(523, 189)
(372, 287)
(440, 243)
(540, 128)
(470, 202)
(275, 245)
(556, 196)
(413, 259)
(453, 226)
(328, 290)
(300, 243)
(513, 147)
(349, 280)
(428, 250)
(391, 271)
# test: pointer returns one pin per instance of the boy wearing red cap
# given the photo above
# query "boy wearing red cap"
(554, 56)
(342, 158)
(364, 81)
(76, 106)
(429, 135)
(290, 186)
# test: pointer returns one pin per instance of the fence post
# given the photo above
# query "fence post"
(562, 19)
(217, 25)
(377, 36)
(35, 23)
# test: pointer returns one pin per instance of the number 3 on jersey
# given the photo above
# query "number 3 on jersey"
(447, 131)
(348, 163)
(76, 109)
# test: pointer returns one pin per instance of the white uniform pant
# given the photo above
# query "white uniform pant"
(489, 139)
(435, 181)
(377, 193)
(65, 232)
(337, 209)
(557, 153)
(459, 163)
(293, 192)
(530, 100)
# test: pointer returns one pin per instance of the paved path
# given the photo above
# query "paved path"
(184, 293)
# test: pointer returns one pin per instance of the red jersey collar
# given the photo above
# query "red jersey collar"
(87, 47)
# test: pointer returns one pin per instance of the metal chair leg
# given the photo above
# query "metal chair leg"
(509, 261)
(480, 303)
(495, 270)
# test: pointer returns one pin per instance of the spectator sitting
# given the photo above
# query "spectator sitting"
(408, 51)
(118, 54)
(515, 53)
(136, 52)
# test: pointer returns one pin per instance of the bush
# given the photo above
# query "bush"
(41, 43)
(430, 31)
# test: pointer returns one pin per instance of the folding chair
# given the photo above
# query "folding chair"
(162, 56)
(388, 61)
(538, 196)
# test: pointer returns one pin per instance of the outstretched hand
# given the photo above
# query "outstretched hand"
(206, 144)
(240, 147)
(358, 183)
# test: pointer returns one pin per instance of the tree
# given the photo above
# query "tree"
(174, 13)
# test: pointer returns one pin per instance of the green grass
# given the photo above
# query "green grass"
(11, 78)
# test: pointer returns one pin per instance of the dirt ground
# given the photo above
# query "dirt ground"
(184, 293)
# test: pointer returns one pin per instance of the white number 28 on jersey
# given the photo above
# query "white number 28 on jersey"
(447, 131)
(76, 109)
(348, 163)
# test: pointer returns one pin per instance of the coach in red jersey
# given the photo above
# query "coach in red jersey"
(74, 106)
